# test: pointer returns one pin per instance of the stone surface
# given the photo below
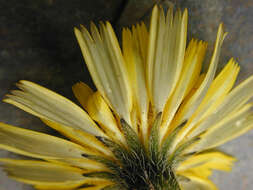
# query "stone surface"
(37, 43)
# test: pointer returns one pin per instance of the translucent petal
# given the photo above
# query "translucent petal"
(43, 173)
(101, 113)
(43, 146)
(234, 125)
(37, 144)
(91, 184)
(191, 69)
(195, 100)
(46, 104)
(234, 100)
(197, 183)
(82, 92)
(106, 65)
(217, 92)
(85, 139)
(135, 57)
(202, 164)
(166, 48)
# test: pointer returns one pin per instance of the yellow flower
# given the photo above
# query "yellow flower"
(152, 124)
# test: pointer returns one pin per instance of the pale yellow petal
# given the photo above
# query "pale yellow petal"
(49, 105)
(151, 48)
(234, 125)
(195, 100)
(101, 113)
(206, 161)
(85, 139)
(43, 146)
(218, 90)
(39, 145)
(167, 41)
(43, 173)
(135, 56)
(233, 101)
(106, 65)
(143, 40)
(191, 68)
(197, 183)
(91, 184)
(82, 92)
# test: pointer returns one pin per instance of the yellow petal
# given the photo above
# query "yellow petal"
(167, 41)
(135, 56)
(218, 90)
(59, 113)
(234, 125)
(80, 137)
(82, 92)
(191, 68)
(48, 105)
(43, 173)
(205, 162)
(142, 34)
(43, 146)
(101, 113)
(106, 65)
(195, 100)
(95, 184)
(233, 101)
(39, 145)
(197, 183)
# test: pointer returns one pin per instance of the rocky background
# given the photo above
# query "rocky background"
(37, 43)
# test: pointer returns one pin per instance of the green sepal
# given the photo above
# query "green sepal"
(153, 147)
(175, 156)
(165, 150)
(132, 139)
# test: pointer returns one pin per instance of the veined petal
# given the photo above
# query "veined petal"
(101, 113)
(43, 146)
(233, 101)
(82, 92)
(57, 112)
(143, 39)
(215, 95)
(38, 145)
(191, 69)
(43, 173)
(195, 100)
(135, 56)
(90, 184)
(197, 183)
(202, 164)
(106, 65)
(232, 126)
(217, 92)
(49, 105)
(50, 176)
(85, 139)
(167, 41)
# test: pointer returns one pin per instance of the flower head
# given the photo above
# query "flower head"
(153, 123)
